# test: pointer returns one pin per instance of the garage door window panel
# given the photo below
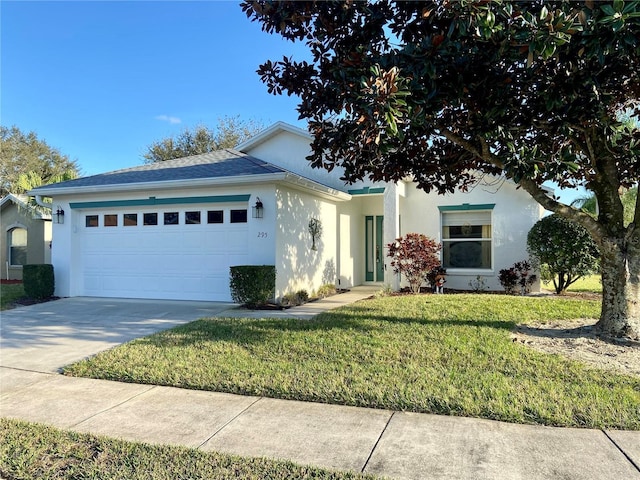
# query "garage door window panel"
(150, 219)
(91, 221)
(171, 218)
(130, 219)
(215, 216)
(192, 218)
(111, 220)
(238, 216)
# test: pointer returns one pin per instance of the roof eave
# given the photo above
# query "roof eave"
(317, 188)
(284, 177)
(269, 132)
(167, 184)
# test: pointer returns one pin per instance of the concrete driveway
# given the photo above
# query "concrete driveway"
(48, 336)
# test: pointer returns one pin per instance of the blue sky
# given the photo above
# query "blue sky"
(100, 81)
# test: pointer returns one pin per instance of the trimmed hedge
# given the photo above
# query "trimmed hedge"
(253, 285)
(38, 280)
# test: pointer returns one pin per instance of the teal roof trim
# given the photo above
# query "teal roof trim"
(145, 202)
(367, 191)
(466, 206)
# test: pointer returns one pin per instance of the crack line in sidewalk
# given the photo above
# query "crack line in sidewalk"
(621, 450)
(377, 442)
(231, 420)
(151, 387)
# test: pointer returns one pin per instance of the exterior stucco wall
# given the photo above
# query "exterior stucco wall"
(289, 151)
(298, 266)
(38, 238)
(514, 214)
(350, 246)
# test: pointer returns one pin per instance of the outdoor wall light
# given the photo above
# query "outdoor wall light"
(59, 215)
(258, 209)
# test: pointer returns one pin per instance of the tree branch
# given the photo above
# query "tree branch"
(587, 221)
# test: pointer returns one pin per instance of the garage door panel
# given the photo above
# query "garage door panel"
(189, 262)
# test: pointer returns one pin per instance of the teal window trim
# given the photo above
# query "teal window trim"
(466, 206)
(366, 191)
(151, 201)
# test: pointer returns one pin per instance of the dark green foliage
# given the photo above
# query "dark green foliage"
(38, 280)
(229, 132)
(24, 154)
(565, 250)
(517, 279)
(253, 285)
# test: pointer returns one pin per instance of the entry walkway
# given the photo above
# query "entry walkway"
(393, 444)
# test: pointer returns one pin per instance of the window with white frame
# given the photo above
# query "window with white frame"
(17, 242)
(466, 239)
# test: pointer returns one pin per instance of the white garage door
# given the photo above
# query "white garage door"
(167, 253)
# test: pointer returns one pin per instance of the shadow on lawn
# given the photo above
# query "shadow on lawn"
(252, 331)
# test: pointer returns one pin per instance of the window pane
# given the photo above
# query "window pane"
(17, 246)
(239, 216)
(130, 219)
(171, 218)
(215, 216)
(150, 219)
(18, 237)
(91, 220)
(111, 220)
(465, 231)
(192, 218)
(18, 255)
(473, 254)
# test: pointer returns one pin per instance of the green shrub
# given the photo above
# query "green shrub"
(289, 299)
(565, 250)
(38, 280)
(517, 279)
(326, 290)
(295, 298)
(252, 285)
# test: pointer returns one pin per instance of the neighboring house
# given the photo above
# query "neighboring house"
(171, 230)
(25, 235)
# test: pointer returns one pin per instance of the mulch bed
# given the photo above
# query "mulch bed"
(10, 282)
(24, 301)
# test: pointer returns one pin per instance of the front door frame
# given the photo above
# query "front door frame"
(374, 248)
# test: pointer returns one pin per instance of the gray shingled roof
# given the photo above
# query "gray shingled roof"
(221, 163)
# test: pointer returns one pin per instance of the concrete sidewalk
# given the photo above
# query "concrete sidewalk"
(381, 442)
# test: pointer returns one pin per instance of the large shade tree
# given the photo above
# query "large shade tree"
(24, 158)
(447, 90)
(229, 132)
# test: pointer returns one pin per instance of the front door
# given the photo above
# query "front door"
(374, 249)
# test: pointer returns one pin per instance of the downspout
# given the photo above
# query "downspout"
(40, 202)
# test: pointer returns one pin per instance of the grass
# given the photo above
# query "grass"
(590, 284)
(442, 354)
(30, 450)
(9, 293)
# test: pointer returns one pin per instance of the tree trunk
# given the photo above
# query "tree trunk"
(620, 315)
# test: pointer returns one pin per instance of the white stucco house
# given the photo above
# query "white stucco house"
(171, 230)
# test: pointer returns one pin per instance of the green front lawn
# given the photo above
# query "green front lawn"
(590, 284)
(443, 354)
(9, 293)
(30, 451)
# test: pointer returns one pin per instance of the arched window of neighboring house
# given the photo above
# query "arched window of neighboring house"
(17, 242)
